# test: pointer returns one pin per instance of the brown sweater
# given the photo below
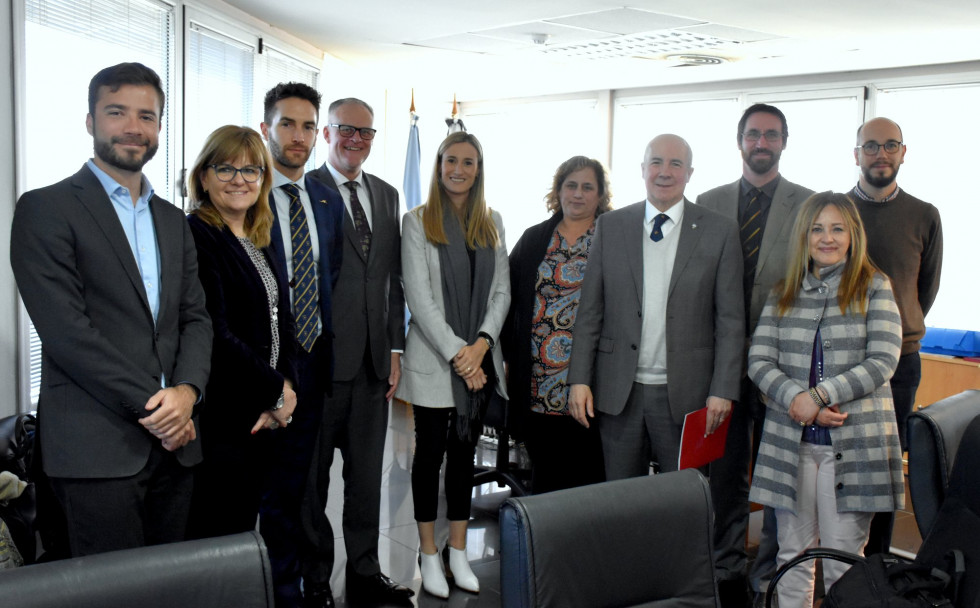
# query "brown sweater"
(905, 240)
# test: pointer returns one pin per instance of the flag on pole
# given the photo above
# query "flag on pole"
(455, 125)
(412, 183)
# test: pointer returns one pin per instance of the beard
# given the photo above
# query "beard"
(880, 181)
(106, 151)
(275, 149)
(760, 162)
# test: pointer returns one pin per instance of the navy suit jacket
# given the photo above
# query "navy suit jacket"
(328, 215)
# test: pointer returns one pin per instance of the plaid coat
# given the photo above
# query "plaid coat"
(860, 355)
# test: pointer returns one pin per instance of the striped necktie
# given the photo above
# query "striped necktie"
(360, 219)
(306, 305)
(751, 234)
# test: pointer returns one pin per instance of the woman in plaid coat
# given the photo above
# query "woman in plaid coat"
(827, 342)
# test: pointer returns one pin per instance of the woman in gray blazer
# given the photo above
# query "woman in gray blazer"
(457, 285)
(826, 345)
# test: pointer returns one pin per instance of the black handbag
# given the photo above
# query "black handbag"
(16, 449)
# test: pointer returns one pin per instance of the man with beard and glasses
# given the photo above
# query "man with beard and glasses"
(307, 241)
(764, 204)
(108, 273)
(905, 241)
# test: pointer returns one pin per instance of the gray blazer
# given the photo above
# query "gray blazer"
(102, 355)
(774, 249)
(431, 343)
(369, 310)
(705, 322)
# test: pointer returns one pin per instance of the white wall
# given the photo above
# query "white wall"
(9, 322)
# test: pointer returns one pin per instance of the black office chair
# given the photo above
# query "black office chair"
(645, 541)
(934, 434)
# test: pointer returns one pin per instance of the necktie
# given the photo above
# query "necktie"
(658, 223)
(751, 234)
(306, 305)
(360, 219)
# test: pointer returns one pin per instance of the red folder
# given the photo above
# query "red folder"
(696, 449)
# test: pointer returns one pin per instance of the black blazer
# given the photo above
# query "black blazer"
(242, 383)
(373, 311)
(103, 355)
(515, 339)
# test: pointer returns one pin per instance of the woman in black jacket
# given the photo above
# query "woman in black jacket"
(547, 267)
(250, 392)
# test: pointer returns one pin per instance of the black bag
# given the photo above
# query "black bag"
(886, 581)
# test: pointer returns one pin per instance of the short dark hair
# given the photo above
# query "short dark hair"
(285, 90)
(761, 107)
(116, 76)
(351, 100)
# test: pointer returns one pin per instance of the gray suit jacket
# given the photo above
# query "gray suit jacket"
(426, 370)
(370, 304)
(102, 355)
(774, 249)
(705, 322)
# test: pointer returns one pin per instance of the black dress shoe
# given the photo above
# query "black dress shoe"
(734, 593)
(377, 588)
(319, 596)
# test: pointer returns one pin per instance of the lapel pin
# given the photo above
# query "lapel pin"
(694, 226)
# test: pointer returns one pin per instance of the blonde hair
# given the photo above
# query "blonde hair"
(573, 164)
(226, 144)
(858, 269)
(478, 226)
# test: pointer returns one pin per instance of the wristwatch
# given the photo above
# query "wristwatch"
(488, 339)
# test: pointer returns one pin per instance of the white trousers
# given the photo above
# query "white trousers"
(816, 522)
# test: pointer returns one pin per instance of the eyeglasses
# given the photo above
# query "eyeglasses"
(348, 131)
(891, 146)
(771, 136)
(226, 173)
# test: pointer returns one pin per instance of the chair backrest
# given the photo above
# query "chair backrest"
(957, 525)
(229, 571)
(636, 542)
(934, 435)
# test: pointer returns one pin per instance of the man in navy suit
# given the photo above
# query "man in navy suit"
(307, 241)
(108, 273)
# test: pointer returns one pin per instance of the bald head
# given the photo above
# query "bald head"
(880, 123)
(666, 170)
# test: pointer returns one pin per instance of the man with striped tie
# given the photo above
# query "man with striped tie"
(764, 204)
(307, 241)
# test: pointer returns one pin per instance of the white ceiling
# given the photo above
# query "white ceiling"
(502, 48)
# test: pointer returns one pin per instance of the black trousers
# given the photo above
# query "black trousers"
(904, 384)
(435, 438)
(564, 454)
(149, 508)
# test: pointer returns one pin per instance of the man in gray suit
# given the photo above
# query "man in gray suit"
(369, 326)
(765, 205)
(108, 273)
(660, 327)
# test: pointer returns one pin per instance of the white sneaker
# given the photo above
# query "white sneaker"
(462, 574)
(433, 574)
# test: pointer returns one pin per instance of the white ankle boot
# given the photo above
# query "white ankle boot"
(462, 574)
(433, 574)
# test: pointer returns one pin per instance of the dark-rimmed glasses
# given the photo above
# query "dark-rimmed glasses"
(753, 135)
(871, 147)
(226, 173)
(348, 131)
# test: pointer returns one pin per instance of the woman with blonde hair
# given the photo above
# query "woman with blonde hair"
(827, 342)
(250, 391)
(454, 265)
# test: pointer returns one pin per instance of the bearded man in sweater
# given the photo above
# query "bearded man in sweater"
(905, 240)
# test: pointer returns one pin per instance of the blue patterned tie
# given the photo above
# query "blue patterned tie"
(658, 223)
(306, 305)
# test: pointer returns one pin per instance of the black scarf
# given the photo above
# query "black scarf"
(465, 298)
